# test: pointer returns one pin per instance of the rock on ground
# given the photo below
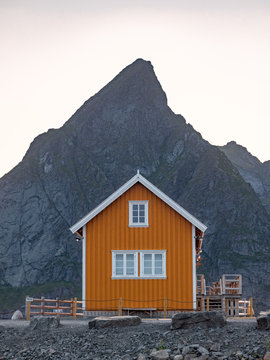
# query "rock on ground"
(263, 321)
(74, 340)
(204, 319)
(44, 322)
(17, 315)
(114, 321)
(160, 355)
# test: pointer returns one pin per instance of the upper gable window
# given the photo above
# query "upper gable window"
(138, 213)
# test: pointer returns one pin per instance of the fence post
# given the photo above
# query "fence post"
(250, 307)
(207, 303)
(26, 303)
(120, 307)
(165, 308)
(74, 308)
(202, 307)
(42, 305)
(27, 308)
(57, 305)
(236, 307)
(223, 303)
(227, 307)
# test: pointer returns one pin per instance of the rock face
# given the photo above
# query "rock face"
(202, 319)
(127, 126)
(114, 321)
(254, 172)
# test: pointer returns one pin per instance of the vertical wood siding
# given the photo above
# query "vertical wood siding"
(110, 230)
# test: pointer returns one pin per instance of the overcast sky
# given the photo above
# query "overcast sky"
(212, 58)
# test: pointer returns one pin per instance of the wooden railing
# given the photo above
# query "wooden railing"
(42, 306)
(201, 288)
(228, 285)
(246, 308)
(232, 284)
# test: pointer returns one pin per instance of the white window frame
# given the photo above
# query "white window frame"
(153, 276)
(124, 275)
(139, 202)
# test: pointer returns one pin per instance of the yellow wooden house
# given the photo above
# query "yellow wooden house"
(139, 247)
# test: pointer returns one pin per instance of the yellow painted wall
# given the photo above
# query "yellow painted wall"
(110, 230)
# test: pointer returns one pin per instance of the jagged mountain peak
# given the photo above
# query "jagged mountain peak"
(136, 86)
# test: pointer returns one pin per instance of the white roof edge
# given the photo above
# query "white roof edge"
(104, 203)
(138, 178)
(173, 204)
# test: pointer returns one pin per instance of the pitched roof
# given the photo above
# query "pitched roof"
(138, 178)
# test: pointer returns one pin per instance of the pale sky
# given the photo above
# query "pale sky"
(212, 58)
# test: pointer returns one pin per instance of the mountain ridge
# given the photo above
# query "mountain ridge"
(126, 126)
(253, 171)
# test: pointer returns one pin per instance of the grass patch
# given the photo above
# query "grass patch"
(12, 298)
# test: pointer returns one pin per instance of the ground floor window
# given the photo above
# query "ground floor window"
(153, 264)
(125, 264)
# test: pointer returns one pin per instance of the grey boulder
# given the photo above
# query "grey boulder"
(263, 321)
(44, 322)
(203, 319)
(17, 315)
(114, 321)
(160, 354)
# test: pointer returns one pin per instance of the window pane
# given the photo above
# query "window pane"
(141, 207)
(141, 220)
(135, 219)
(135, 207)
(147, 264)
(119, 264)
(135, 212)
(158, 264)
(141, 212)
(130, 264)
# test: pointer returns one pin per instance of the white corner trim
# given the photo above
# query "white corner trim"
(83, 266)
(138, 178)
(194, 275)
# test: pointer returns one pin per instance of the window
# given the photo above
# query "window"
(124, 264)
(153, 264)
(138, 213)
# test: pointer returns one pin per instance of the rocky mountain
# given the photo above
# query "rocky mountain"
(127, 126)
(254, 172)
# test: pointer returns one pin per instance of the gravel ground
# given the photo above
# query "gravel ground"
(239, 339)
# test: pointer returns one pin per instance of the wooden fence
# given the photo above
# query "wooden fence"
(43, 306)
(74, 308)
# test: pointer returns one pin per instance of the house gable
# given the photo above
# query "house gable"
(138, 178)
